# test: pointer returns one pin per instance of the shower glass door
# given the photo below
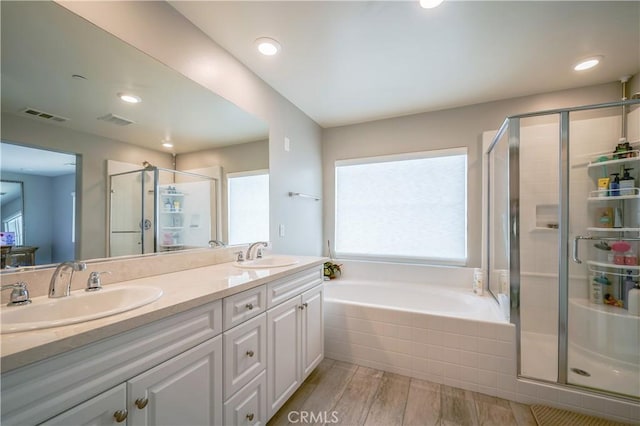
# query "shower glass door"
(126, 221)
(603, 348)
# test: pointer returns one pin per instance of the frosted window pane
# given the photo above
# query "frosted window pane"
(409, 208)
(248, 209)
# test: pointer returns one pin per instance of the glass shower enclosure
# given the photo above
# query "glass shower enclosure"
(563, 227)
(158, 210)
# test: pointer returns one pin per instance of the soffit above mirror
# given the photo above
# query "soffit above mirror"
(44, 46)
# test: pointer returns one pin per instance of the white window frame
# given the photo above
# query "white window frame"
(462, 261)
(18, 219)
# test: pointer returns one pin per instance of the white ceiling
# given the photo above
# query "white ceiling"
(35, 161)
(347, 62)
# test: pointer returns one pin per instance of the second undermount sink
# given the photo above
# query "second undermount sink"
(80, 306)
(267, 262)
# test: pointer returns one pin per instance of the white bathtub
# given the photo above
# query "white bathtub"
(422, 322)
(452, 301)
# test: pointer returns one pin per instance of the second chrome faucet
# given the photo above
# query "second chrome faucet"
(60, 285)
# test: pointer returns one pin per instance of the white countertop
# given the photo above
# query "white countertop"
(182, 291)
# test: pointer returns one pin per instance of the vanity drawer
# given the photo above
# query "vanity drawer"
(249, 405)
(240, 307)
(245, 353)
(286, 288)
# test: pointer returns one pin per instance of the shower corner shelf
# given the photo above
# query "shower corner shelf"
(593, 164)
(172, 194)
(606, 268)
(599, 229)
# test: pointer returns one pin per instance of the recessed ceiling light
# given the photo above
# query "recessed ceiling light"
(587, 63)
(167, 145)
(267, 46)
(129, 98)
(430, 4)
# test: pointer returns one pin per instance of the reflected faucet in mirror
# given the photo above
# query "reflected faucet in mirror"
(59, 273)
(216, 243)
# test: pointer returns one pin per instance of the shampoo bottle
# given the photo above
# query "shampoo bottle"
(627, 183)
(629, 284)
(614, 186)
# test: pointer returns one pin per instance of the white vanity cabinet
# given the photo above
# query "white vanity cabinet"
(234, 361)
(295, 335)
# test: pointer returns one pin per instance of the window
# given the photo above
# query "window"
(248, 201)
(407, 207)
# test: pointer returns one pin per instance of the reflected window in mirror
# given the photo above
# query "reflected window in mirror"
(12, 206)
(248, 201)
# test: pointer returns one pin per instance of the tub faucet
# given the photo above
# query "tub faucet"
(252, 246)
(54, 291)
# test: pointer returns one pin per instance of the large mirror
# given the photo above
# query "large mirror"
(61, 81)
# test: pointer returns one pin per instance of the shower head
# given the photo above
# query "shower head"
(147, 165)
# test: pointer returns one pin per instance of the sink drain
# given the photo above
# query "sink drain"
(581, 372)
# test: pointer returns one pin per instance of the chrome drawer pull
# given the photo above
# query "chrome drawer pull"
(249, 306)
(249, 353)
(250, 417)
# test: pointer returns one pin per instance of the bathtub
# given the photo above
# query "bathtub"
(421, 322)
(413, 297)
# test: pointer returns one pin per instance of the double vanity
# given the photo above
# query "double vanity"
(220, 344)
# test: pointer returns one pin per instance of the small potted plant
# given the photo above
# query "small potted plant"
(331, 269)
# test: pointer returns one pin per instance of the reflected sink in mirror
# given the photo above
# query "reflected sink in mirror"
(80, 306)
(267, 262)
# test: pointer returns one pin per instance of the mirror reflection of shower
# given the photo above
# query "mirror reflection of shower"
(158, 210)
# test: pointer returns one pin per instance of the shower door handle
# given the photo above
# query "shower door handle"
(575, 246)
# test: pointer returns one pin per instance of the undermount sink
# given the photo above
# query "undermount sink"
(80, 306)
(267, 262)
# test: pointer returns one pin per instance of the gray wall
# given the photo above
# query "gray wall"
(442, 129)
(160, 31)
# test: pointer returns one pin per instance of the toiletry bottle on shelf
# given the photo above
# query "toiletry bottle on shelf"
(629, 284)
(614, 185)
(633, 301)
(596, 294)
(478, 281)
(631, 258)
(627, 183)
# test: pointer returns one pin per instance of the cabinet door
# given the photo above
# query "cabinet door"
(185, 390)
(312, 330)
(283, 347)
(108, 408)
(249, 405)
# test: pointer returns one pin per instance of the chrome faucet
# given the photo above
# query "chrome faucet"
(19, 293)
(252, 246)
(54, 291)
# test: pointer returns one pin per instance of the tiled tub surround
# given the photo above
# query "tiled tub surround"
(473, 354)
(182, 290)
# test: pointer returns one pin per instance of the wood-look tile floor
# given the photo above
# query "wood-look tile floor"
(348, 394)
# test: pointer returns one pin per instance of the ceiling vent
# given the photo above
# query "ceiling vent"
(115, 119)
(32, 112)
